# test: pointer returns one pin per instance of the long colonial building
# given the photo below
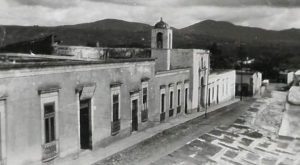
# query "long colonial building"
(55, 106)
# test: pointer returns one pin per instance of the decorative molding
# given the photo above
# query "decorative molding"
(171, 84)
(79, 87)
(162, 86)
(48, 89)
(3, 97)
(115, 84)
(145, 79)
(134, 91)
(179, 83)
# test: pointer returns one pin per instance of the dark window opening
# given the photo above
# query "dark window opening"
(145, 98)
(49, 119)
(134, 105)
(178, 98)
(171, 100)
(163, 102)
(85, 124)
(159, 40)
(115, 107)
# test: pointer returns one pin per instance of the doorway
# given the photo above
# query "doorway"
(85, 124)
(134, 106)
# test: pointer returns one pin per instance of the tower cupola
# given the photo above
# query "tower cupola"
(162, 36)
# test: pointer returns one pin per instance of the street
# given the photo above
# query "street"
(251, 139)
(172, 139)
(242, 133)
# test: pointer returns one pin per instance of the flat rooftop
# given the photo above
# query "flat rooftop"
(20, 61)
(220, 71)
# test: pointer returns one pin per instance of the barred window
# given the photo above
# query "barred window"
(49, 119)
(115, 107)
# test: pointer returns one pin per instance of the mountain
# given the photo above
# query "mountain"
(112, 32)
(111, 24)
(226, 30)
(108, 32)
(273, 50)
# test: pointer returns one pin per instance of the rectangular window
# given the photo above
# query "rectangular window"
(115, 107)
(162, 104)
(186, 94)
(115, 100)
(144, 109)
(145, 91)
(49, 120)
(178, 97)
(171, 100)
(49, 123)
(186, 100)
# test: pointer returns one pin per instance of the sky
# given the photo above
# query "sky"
(268, 14)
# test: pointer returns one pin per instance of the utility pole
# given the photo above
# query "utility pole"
(241, 55)
(242, 62)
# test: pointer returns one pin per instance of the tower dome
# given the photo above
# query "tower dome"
(161, 25)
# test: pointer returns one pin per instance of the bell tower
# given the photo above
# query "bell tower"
(161, 45)
(161, 36)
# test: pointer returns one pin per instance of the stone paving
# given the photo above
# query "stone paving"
(251, 140)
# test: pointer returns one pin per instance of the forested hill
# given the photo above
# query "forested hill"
(279, 49)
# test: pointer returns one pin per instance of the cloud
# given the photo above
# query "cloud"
(268, 17)
(47, 3)
(219, 3)
(242, 3)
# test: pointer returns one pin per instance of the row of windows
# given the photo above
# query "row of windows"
(116, 99)
(172, 99)
(49, 108)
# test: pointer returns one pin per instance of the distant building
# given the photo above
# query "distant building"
(221, 86)
(41, 45)
(61, 105)
(248, 83)
(286, 77)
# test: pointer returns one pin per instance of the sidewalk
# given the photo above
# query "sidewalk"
(90, 157)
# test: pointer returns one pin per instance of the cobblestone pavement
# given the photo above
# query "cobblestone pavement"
(171, 139)
(252, 139)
